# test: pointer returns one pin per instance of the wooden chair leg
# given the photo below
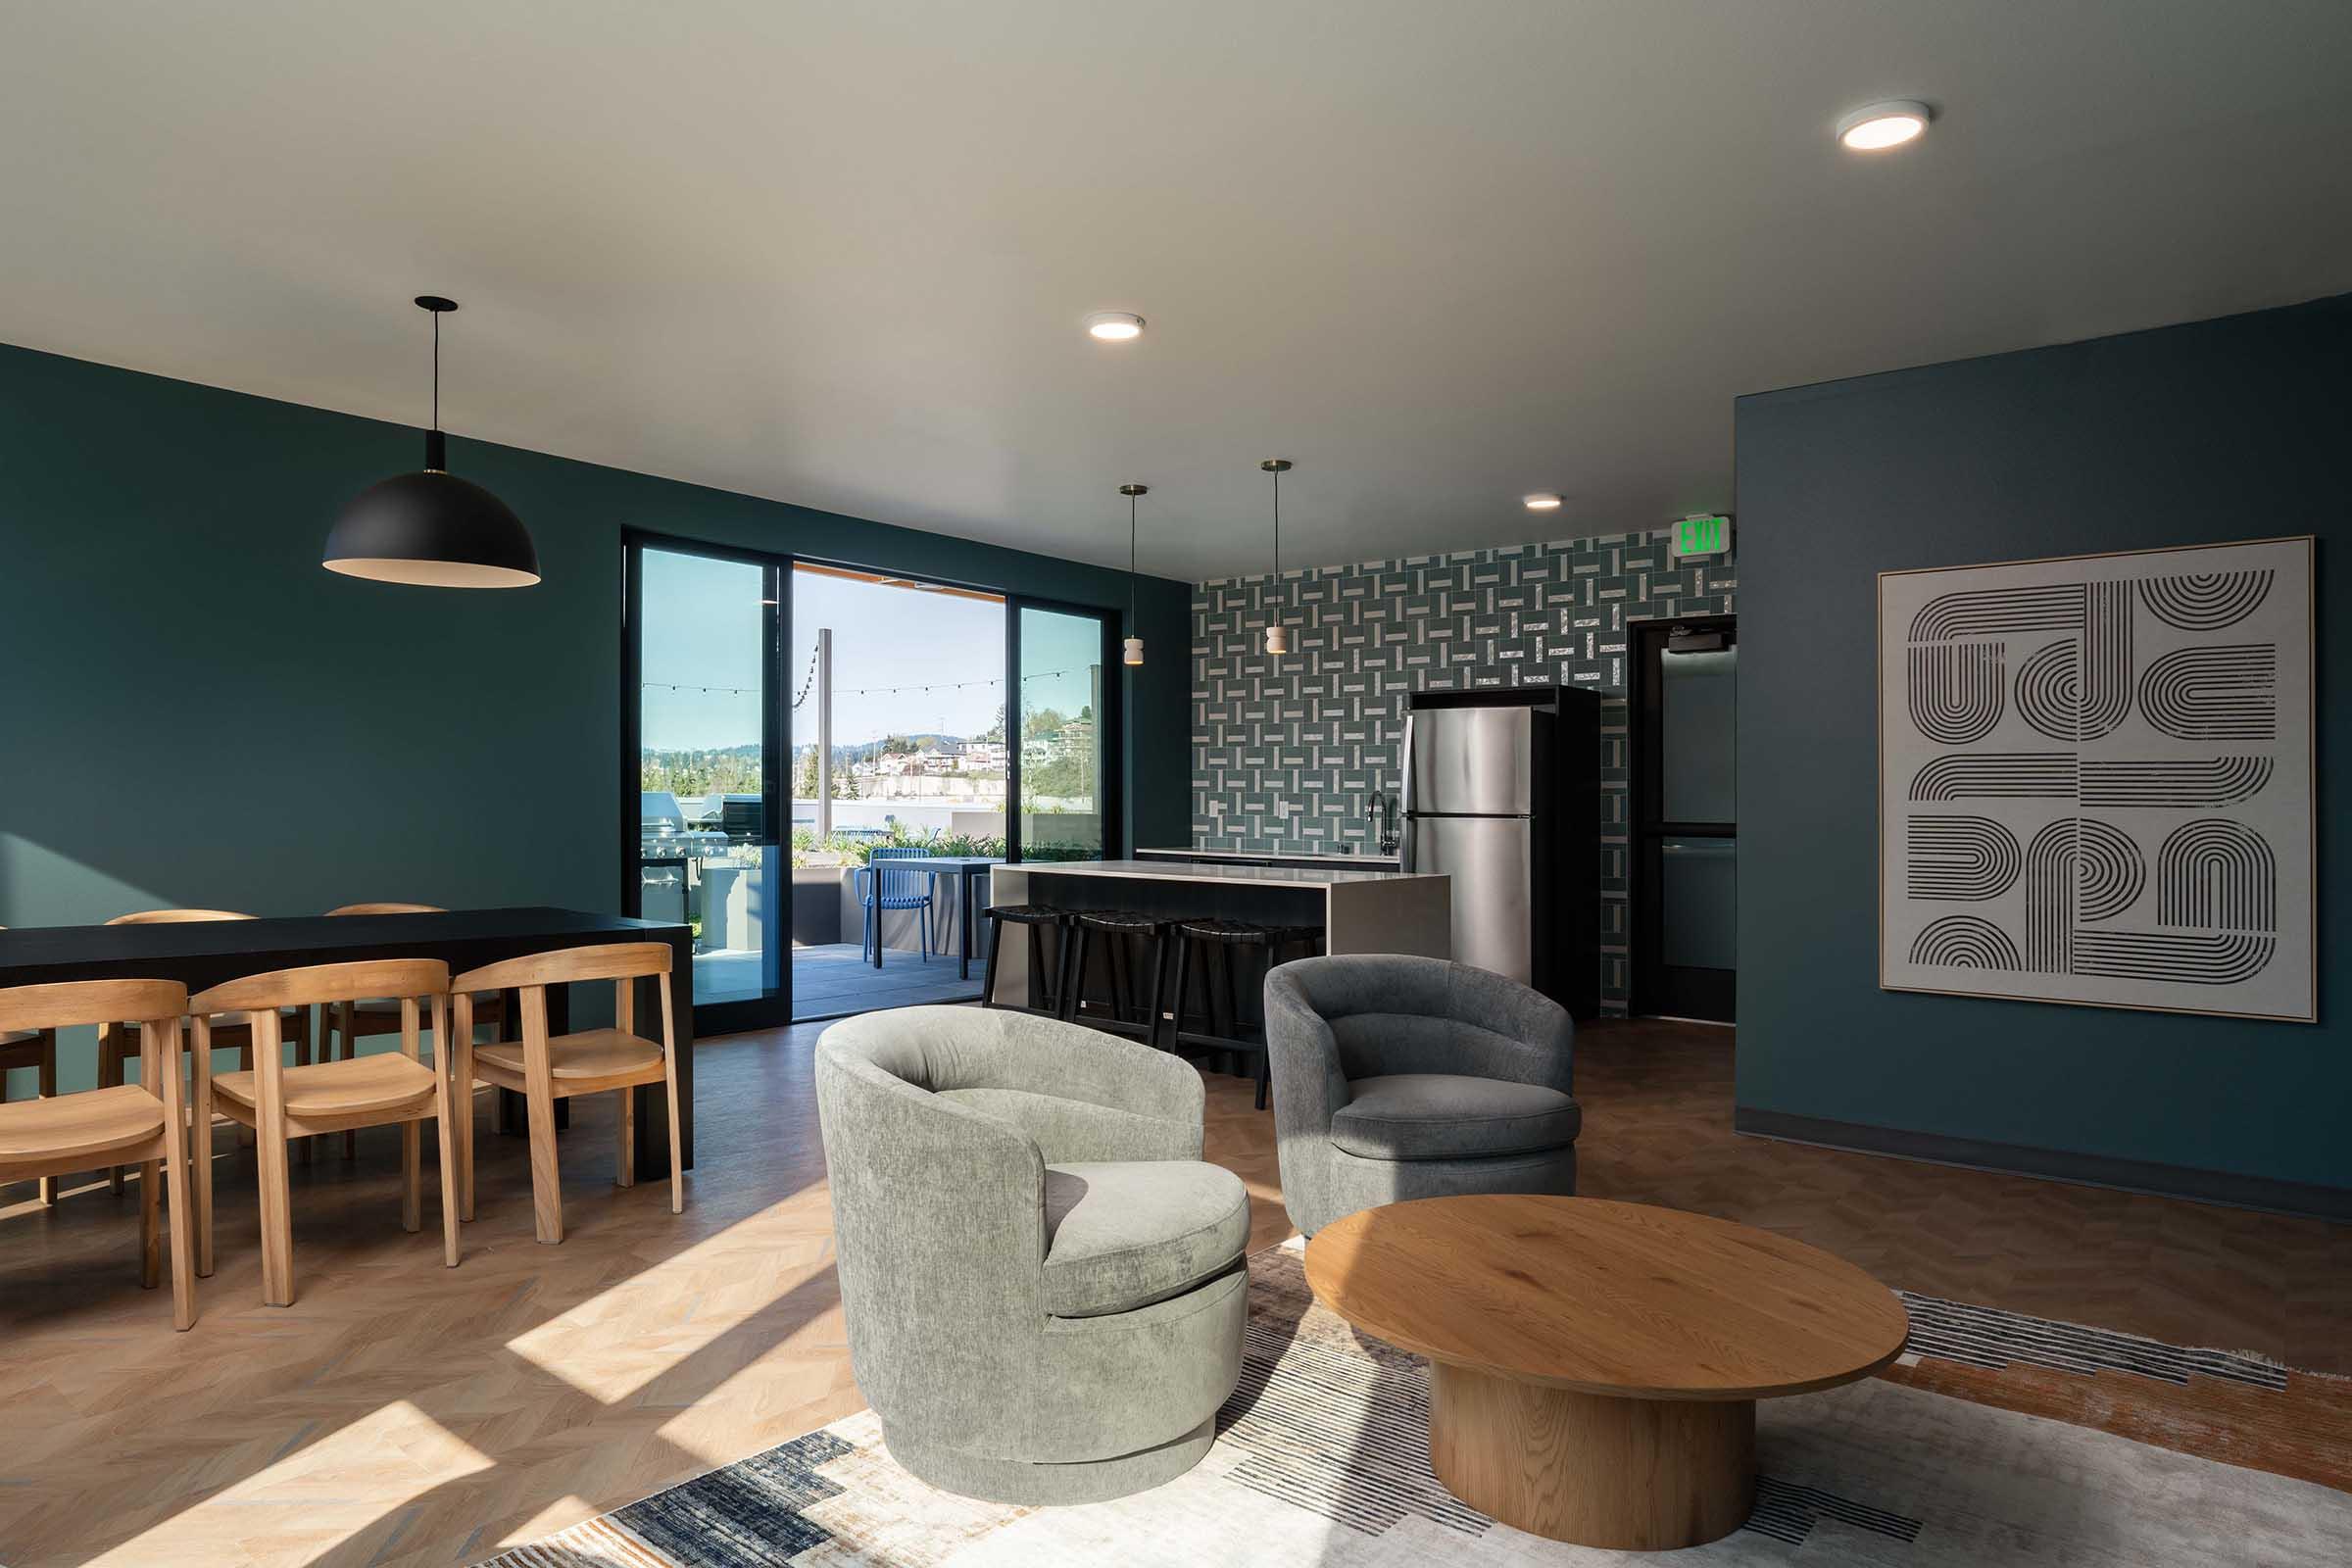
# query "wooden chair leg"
(461, 1087)
(245, 1136)
(627, 1120)
(300, 1036)
(151, 1171)
(411, 1193)
(278, 1211)
(181, 1221)
(678, 1154)
(199, 1144)
(547, 1192)
(444, 1118)
(345, 1014)
(151, 1251)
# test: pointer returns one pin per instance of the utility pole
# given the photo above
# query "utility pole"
(824, 734)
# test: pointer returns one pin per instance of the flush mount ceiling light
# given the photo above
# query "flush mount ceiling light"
(1541, 501)
(431, 528)
(1278, 636)
(1135, 644)
(1874, 128)
(1115, 327)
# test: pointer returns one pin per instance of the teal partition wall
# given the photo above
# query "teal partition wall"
(2238, 428)
(196, 713)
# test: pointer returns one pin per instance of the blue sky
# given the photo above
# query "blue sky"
(701, 630)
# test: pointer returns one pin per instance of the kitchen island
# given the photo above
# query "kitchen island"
(1337, 859)
(1359, 910)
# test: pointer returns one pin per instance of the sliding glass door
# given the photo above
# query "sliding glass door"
(702, 637)
(1066, 691)
(773, 754)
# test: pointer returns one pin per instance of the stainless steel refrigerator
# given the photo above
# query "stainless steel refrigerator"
(1502, 795)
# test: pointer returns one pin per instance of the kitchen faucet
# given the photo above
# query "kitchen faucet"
(1381, 811)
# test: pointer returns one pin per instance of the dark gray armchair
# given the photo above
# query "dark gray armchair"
(1045, 1285)
(1398, 1077)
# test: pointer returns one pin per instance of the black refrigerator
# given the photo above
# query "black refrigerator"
(1502, 794)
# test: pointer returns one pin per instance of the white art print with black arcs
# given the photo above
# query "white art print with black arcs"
(2095, 780)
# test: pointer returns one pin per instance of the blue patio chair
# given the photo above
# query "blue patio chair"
(882, 886)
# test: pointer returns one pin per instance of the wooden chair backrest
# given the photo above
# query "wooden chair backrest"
(72, 1002)
(389, 908)
(611, 960)
(175, 917)
(326, 982)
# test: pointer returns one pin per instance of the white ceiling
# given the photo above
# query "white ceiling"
(1439, 254)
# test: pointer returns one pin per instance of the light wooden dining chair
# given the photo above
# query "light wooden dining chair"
(353, 1021)
(36, 1051)
(114, 1042)
(281, 1104)
(591, 1062)
(140, 1123)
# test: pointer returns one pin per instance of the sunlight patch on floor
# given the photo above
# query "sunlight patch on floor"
(717, 1286)
(305, 1498)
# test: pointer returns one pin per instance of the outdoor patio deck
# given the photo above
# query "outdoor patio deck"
(835, 979)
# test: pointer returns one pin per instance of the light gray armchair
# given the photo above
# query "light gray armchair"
(1045, 1287)
(1400, 1077)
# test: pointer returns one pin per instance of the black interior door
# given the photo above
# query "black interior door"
(1063, 726)
(1686, 837)
(704, 789)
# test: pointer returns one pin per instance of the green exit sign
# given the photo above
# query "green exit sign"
(1702, 536)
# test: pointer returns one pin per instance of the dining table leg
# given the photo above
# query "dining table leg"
(653, 1117)
(965, 882)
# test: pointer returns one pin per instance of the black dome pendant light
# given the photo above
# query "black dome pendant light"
(432, 528)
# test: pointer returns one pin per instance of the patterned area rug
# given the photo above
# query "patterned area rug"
(1999, 1438)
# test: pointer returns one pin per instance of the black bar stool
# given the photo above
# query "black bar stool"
(1046, 987)
(1235, 1026)
(1133, 1009)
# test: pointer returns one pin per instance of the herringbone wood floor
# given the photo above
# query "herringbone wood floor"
(400, 1413)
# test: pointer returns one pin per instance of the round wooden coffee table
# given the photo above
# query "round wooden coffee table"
(1595, 1366)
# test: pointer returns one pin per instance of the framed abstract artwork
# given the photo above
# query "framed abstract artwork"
(2095, 780)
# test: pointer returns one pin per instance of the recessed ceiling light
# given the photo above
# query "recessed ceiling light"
(1541, 501)
(1115, 327)
(1874, 128)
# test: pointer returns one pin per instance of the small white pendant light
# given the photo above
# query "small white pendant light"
(1278, 636)
(1135, 644)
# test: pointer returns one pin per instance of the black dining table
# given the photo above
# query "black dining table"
(199, 954)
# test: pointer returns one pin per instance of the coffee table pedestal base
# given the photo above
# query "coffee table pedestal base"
(1635, 1475)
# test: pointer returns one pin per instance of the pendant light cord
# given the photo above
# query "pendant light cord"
(1131, 561)
(436, 369)
(1278, 523)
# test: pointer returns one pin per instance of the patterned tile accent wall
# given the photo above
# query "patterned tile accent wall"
(1286, 749)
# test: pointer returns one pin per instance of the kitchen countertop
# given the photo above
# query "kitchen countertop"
(1313, 876)
(1319, 857)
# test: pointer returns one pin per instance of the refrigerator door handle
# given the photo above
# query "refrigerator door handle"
(1404, 771)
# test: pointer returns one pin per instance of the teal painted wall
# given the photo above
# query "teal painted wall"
(2239, 428)
(196, 713)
